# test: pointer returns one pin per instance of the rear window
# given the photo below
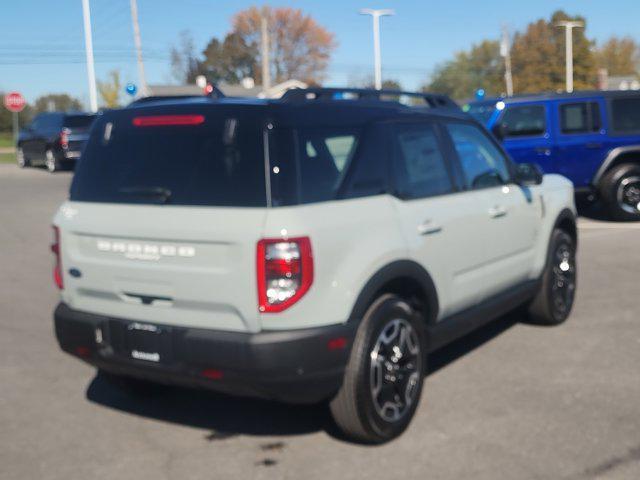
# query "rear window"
(188, 158)
(625, 114)
(78, 121)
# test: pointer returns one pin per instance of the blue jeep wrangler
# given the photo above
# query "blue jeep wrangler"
(592, 138)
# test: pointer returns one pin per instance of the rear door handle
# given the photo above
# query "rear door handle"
(593, 145)
(428, 228)
(497, 211)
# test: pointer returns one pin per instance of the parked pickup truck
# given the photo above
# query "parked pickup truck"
(592, 138)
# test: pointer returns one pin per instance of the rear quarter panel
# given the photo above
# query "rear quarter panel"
(350, 240)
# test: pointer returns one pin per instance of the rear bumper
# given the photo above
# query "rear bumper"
(294, 366)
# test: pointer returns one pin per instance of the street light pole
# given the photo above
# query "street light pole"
(88, 45)
(375, 16)
(138, 44)
(505, 51)
(569, 25)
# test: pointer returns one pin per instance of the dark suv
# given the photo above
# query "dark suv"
(54, 140)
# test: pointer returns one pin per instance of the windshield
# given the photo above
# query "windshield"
(481, 111)
(191, 157)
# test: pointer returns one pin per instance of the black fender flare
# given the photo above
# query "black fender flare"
(611, 158)
(393, 271)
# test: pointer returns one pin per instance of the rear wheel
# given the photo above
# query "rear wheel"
(620, 191)
(21, 159)
(554, 300)
(52, 164)
(384, 376)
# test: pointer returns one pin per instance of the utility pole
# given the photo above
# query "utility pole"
(569, 25)
(375, 16)
(138, 44)
(505, 51)
(88, 45)
(264, 47)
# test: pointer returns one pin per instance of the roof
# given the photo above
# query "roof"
(559, 96)
(287, 113)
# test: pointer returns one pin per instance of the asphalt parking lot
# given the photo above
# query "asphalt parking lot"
(511, 401)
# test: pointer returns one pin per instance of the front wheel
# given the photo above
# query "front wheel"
(383, 379)
(21, 159)
(620, 190)
(554, 300)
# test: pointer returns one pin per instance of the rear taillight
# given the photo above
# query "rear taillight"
(285, 272)
(64, 138)
(57, 268)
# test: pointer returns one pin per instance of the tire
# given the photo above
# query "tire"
(21, 159)
(620, 191)
(362, 414)
(51, 162)
(554, 301)
(130, 385)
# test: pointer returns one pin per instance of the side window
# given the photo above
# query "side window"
(418, 163)
(581, 117)
(524, 120)
(369, 174)
(36, 123)
(324, 157)
(625, 114)
(482, 162)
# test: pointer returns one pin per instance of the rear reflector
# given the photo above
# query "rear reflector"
(285, 272)
(83, 351)
(167, 120)
(212, 374)
(337, 343)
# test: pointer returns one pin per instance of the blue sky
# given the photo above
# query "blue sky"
(42, 46)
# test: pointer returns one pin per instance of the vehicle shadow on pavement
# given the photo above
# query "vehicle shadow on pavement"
(225, 416)
(593, 211)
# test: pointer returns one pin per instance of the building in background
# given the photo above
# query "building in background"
(617, 82)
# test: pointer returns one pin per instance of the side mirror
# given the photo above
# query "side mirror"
(499, 131)
(528, 174)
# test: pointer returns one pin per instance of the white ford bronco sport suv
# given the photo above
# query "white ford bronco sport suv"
(313, 248)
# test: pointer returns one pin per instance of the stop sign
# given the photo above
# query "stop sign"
(14, 101)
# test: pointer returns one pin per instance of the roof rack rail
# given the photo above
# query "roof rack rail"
(413, 99)
(214, 94)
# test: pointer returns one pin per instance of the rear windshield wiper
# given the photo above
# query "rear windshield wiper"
(161, 193)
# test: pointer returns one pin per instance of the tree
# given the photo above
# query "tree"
(538, 57)
(619, 56)
(388, 84)
(480, 67)
(56, 101)
(229, 61)
(110, 91)
(300, 47)
(184, 63)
